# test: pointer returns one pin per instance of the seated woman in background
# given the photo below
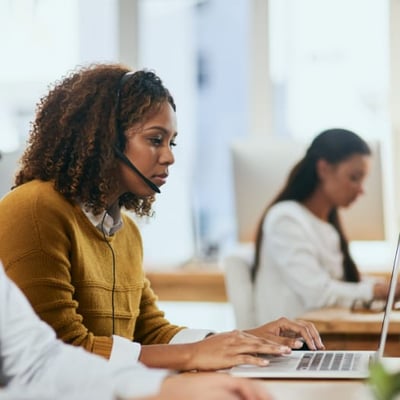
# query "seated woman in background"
(302, 259)
(102, 142)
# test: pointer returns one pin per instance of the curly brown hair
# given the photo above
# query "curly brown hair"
(77, 126)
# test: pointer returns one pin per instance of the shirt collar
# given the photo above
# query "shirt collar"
(108, 222)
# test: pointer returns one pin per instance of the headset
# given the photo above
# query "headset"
(113, 271)
(119, 153)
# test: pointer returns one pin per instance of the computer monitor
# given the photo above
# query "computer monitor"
(260, 168)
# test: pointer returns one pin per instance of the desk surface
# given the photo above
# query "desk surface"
(343, 320)
(341, 329)
(206, 284)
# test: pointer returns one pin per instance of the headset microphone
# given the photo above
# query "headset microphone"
(120, 134)
(129, 163)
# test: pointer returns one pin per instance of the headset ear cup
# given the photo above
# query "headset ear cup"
(118, 129)
(120, 137)
(118, 152)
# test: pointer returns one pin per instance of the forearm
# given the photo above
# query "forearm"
(219, 351)
(172, 356)
(344, 293)
(317, 289)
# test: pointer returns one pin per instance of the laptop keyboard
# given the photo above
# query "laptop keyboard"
(326, 361)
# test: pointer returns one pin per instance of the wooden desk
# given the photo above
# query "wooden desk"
(342, 329)
(205, 284)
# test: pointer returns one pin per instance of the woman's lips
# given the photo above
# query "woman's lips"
(160, 179)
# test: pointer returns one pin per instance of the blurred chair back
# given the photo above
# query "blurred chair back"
(8, 168)
(239, 286)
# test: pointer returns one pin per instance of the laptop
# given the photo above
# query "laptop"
(350, 364)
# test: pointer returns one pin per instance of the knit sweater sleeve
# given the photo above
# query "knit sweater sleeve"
(35, 246)
(151, 325)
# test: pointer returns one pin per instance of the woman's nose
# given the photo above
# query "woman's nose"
(167, 156)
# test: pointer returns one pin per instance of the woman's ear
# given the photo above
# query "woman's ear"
(323, 168)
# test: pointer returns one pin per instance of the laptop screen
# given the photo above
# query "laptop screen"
(390, 301)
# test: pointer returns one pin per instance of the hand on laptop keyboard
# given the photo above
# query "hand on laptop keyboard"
(303, 348)
(288, 332)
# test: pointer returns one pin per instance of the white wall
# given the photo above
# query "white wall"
(166, 37)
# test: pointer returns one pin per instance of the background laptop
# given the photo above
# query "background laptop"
(327, 364)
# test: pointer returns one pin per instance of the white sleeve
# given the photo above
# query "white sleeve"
(190, 336)
(124, 350)
(36, 392)
(31, 356)
(293, 251)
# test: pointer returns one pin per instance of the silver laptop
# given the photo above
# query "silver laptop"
(327, 364)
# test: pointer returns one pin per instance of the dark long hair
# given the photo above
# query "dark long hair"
(334, 146)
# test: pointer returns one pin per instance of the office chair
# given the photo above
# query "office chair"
(239, 286)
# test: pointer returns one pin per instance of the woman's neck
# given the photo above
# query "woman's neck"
(318, 204)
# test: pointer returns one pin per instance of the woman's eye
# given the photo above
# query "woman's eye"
(356, 178)
(156, 141)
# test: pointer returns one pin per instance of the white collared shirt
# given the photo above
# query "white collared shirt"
(108, 222)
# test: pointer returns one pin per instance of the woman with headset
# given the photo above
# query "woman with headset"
(101, 143)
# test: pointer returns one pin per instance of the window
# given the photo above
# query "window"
(330, 66)
(328, 63)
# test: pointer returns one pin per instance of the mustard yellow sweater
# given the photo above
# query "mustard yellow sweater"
(64, 266)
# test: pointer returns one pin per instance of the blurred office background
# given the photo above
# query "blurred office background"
(238, 69)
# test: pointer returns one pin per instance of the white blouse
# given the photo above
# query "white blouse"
(301, 266)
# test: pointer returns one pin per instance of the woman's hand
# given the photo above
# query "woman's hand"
(218, 351)
(225, 350)
(381, 290)
(290, 333)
